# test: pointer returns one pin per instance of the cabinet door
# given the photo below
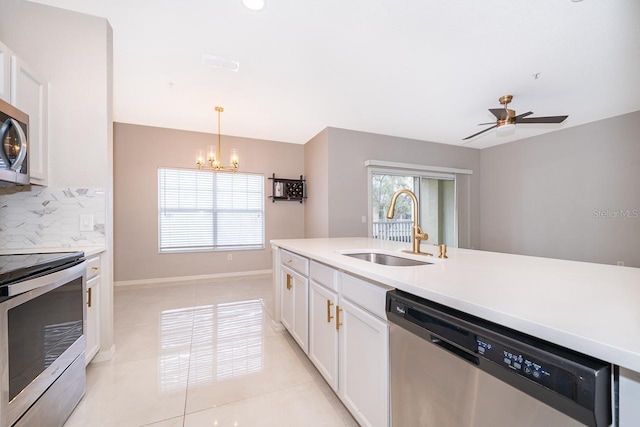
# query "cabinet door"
(29, 93)
(364, 365)
(286, 295)
(5, 73)
(93, 318)
(295, 310)
(323, 334)
(301, 311)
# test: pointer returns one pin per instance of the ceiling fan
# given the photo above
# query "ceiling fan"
(507, 119)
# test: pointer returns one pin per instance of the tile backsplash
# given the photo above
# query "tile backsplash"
(44, 217)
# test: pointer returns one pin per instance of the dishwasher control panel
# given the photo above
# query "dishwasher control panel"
(537, 370)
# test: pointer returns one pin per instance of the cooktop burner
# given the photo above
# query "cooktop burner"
(17, 267)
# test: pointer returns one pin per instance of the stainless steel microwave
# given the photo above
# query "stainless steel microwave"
(14, 159)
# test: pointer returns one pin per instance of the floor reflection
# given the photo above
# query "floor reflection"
(175, 346)
(240, 349)
(214, 342)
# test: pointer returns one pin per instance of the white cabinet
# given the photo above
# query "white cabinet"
(349, 341)
(323, 334)
(340, 322)
(92, 301)
(5, 73)
(29, 93)
(286, 296)
(294, 291)
(364, 365)
(629, 396)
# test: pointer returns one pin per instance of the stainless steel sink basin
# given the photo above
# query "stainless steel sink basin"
(386, 259)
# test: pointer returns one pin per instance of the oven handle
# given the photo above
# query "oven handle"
(22, 152)
(59, 277)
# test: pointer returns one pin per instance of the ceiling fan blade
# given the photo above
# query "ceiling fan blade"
(482, 131)
(500, 113)
(551, 119)
(490, 123)
(520, 116)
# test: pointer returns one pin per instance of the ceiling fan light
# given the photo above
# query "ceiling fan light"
(506, 128)
(253, 4)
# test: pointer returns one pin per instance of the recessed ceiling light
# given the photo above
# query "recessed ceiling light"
(253, 4)
(219, 62)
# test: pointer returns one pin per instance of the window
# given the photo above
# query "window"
(436, 210)
(206, 211)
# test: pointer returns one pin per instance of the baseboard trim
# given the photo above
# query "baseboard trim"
(104, 355)
(190, 278)
(278, 327)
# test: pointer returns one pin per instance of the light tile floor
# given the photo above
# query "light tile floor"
(204, 354)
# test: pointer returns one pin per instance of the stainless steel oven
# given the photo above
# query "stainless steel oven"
(42, 322)
(14, 131)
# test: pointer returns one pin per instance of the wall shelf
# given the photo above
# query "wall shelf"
(288, 189)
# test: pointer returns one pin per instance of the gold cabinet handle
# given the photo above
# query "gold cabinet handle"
(289, 261)
(338, 324)
(95, 268)
(89, 297)
(329, 316)
(289, 285)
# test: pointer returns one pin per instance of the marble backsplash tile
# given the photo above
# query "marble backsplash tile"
(44, 217)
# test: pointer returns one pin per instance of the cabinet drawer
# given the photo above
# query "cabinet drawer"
(295, 262)
(324, 275)
(93, 267)
(367, 295)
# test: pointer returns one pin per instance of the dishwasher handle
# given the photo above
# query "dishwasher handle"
(448, 332)
(455, 350)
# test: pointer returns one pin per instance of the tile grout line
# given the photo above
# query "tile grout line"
(233, 402)
(186, 391)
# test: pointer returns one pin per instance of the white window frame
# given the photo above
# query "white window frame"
(214, 247)
(421, 171)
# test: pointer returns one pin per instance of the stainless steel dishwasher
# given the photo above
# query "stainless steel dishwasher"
(450, 369)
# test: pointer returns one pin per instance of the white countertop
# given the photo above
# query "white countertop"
(89, 251)
(590, 308)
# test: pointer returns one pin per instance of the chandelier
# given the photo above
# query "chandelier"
(212, 159)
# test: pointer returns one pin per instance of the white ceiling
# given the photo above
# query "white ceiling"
(422, 69)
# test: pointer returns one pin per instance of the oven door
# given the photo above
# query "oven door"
(41, 334)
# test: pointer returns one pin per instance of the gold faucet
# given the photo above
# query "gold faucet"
(418, 235)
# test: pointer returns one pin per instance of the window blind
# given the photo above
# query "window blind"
(202, 210)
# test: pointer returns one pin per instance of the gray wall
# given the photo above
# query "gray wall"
(140, 150)
(316, 167)
(347, 188)
(559, 195)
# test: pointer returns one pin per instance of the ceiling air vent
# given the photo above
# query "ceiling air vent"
(219, 62)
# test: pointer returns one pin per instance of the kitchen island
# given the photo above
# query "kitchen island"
(589, 308)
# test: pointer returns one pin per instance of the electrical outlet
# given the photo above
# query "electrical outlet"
(620, 263)
(86, 222)
(229, 257)
(364, 219)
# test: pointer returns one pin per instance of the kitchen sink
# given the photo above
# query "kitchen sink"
(386, 259)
